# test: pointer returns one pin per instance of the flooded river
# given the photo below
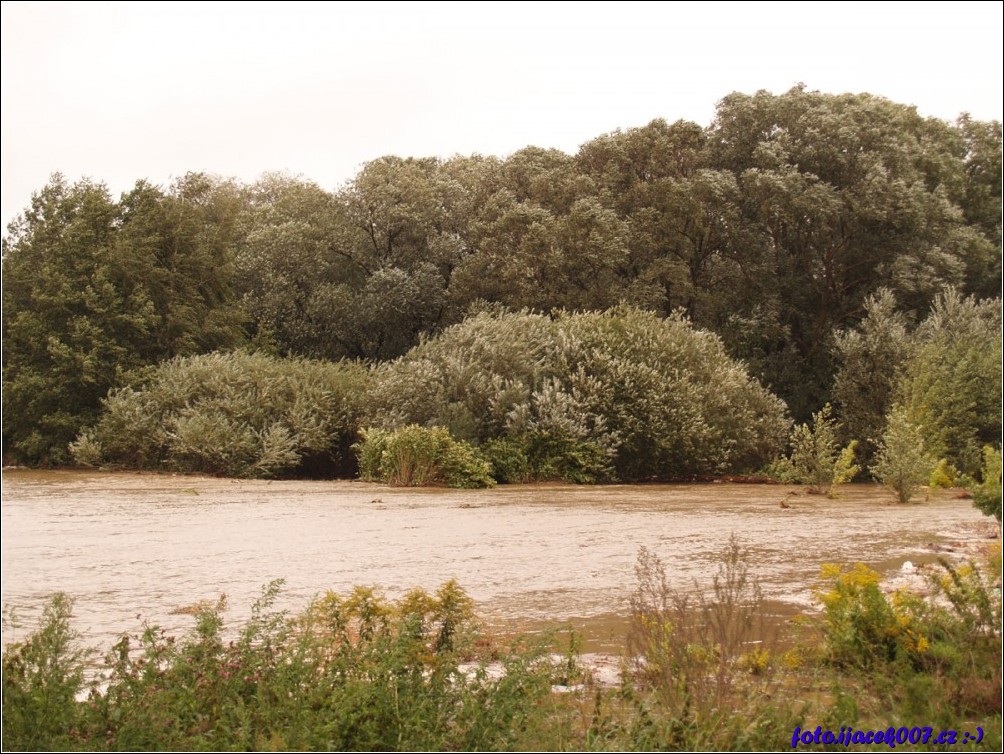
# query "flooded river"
(131, 545)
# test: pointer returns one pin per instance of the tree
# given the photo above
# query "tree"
(816, 456)
(94, 290)
(981, 201)
(902, 462)
(71, 322)
(295, 259)
(987, 494)
(848, 193)
(871, 357)
(951, 385)
(177, 246)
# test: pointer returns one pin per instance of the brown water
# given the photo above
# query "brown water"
(129, 545)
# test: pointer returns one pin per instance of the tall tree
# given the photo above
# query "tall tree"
(951, 386)
(871, 358)
(69, 324)
(849, 193)
(94, 289)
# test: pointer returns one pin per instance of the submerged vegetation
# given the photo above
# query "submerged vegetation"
(706, 668)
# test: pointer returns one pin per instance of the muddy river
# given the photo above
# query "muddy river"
(139, 547)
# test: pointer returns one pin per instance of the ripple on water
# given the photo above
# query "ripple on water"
(143, 544)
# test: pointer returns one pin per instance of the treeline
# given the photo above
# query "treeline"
(812, 233)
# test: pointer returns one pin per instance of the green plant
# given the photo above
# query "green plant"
(510, 464)
(236, 414)
(415, 456)
(844, 469)
(987, 494)
(352, 672)
(861, 627)
(816, 457)
(41, 677)
(943, 475)
(951, 386)
(369, 452)
(695, 650)
(622, 394)
(902, 461)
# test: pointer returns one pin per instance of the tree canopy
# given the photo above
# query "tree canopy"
(811, 232)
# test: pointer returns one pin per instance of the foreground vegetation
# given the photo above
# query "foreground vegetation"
(704, 669)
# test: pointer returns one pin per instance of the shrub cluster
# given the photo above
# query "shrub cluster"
(235, 414)
(415, 456)
(816, 458)
(622, 394)
(516, 397)
(354, 672)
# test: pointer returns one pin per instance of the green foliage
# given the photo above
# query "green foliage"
(579, 393)
(358, 671)
(353, 672)
(943, 475)
(987, 494)
(547, 457)
(369, 453)
(939, 656)
(239, 414)
(843, 195)
(792, 226)
(951, 387)
(94, 290)
(902, 462)
(509, 461)
(816, 457)
(844, 470)
(41, 676)
(871, 357)
(415, 456)
(861, 627)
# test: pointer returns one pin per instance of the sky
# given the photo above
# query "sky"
(124, 91)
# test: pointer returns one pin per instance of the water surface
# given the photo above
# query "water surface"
(135, 547)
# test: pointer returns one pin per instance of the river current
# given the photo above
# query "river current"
(135, 548)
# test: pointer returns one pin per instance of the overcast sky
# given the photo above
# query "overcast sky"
(122, 91)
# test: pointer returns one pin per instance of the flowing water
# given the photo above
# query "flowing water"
(142, 547)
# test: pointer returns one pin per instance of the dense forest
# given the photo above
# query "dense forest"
(670, 300)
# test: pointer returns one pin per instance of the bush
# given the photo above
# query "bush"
(987, 494)
(901, 461)
(236, 414)
(860, 626)
(416, 456)
(622, 390)
(943, 475)
(816, 457)
(353, 672)
(548, 457)
(41, 677)
(509, 461)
